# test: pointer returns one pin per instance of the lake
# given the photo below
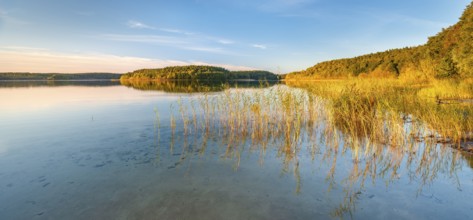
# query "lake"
(102, 150)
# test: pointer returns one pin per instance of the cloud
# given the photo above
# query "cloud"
(224, 41)
(176, 31)
(184, 43)
(138, 25)
(198, 36)
(259, 46)
(18, 48)
(181, 39)
(158, 39)
(24, 59)
(205, 49)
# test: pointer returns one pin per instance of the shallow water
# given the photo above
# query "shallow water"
(96, 151)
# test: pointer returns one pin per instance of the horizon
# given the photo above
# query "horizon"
(125, 72)
(278, 36)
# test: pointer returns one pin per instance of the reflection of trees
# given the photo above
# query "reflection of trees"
(381, 140)
(189, 86)
(54, 83)
(174, 86)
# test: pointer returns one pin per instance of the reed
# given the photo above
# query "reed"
(380, 123)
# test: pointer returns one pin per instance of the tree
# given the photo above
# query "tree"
(446, 69)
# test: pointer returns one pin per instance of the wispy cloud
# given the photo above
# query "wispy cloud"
(259, 46)
(194, 43)
(198, 36)
(182, 39)
(206, 49)
(176, 31)
(23, 48)
(225, 41)
(139, 25)
(156, 39)
(43, 60)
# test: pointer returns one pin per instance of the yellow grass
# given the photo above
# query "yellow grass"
(380, 122)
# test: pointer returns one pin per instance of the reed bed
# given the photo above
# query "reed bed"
(382, 126)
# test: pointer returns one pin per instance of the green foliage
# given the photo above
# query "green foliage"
(179, 73)
(197, 73)
(446, 68)
(462, 54)
(384, 64)
(447, 54)
(253, 75)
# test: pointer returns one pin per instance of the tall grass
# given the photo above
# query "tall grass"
(380, 123)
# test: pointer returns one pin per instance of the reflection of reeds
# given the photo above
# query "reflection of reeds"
(157, 131)
(171, 119)
(194, 115)
(184, 116)
(380, 125)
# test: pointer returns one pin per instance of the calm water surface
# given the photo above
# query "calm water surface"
(106, 151)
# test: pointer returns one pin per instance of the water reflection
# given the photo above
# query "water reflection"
(188, 86)
(360, 141)
(56, 83)
(113, 152)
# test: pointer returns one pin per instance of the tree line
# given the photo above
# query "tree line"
(58, 76)
(449, 54)
(197, 73)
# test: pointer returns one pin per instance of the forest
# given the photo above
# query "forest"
(446, 55)
(197, 73)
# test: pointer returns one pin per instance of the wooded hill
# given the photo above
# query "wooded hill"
(197, 73)
(191, 86)
(449, 54)
(58, 76)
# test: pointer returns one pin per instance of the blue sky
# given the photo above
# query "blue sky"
(275, 35)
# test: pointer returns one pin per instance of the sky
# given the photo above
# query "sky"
(281, 36)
